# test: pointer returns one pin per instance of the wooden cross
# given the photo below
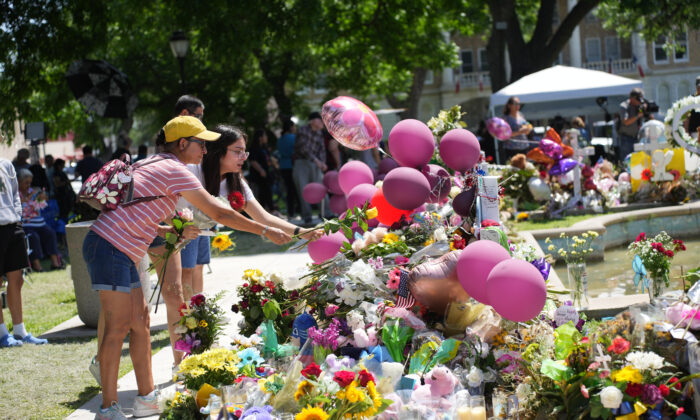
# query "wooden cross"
(578, 154)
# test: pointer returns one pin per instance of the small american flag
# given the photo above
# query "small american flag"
(405, 298)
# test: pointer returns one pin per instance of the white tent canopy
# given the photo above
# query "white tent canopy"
(566, 91)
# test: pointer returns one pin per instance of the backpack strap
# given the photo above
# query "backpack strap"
(130, 193)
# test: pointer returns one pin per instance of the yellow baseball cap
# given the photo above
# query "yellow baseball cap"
(187, 126)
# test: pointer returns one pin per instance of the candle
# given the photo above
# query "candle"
(478, 413)
(464, 413)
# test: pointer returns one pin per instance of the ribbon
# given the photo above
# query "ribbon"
(543, 266)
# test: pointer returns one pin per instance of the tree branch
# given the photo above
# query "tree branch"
(566, 28)
(543, 28)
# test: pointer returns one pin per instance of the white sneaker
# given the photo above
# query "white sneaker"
(146, 405)
(114, 412)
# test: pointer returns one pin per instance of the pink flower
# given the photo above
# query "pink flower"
(641, 237)
(584, 391)
(331, 309)
(619, 345)
(401, 260)
(394, 279)
(593, 366)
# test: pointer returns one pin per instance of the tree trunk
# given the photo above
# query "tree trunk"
(496, 46)
(410, 104)
(276, 75)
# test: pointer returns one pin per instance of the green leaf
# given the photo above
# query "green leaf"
(363, 225)
(177, 224)
(255, 312)
(170, 238)
(272, 309)
(347, 232)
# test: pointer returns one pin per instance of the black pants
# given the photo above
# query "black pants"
(291, 192)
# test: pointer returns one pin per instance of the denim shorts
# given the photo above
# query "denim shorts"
(197, 252)
(109, 268)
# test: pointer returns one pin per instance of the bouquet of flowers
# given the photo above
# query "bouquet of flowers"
(200, 323)
(174, 242)
(215, 367)
(262, 296)
(656, 254)
(574, 253)
(345, 394)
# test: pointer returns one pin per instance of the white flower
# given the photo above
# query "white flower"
(454, 191)
(611, 397)
(475, 377)
(357, 246)
(276, 278)
(348, 296)
(523, 392)
(361, 271)
(355, 320)
(643, 360)
(392, 371)
(439, 235)
(180, 329)
(164, 396)
(379, 233)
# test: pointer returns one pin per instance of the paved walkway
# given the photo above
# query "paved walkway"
(225, 275)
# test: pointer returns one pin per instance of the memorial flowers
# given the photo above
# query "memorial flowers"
(201, 322)
(656, 254)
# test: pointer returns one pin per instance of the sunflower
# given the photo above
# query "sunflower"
(309, 413)
(303, 388)
(221, 242)
(390, 238)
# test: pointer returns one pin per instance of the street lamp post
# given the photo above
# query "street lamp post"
(180, 45)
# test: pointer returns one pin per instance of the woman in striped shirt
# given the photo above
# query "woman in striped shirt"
(119, 239)
(42, 239)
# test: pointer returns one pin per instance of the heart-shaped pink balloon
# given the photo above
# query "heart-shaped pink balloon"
(551, 148)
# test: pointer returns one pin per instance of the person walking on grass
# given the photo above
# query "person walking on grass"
(13, 257)
(119, 239)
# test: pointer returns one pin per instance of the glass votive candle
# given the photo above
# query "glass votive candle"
(477, 404)
(463, 410)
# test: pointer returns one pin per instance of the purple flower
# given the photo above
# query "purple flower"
(258, 413)
(376, 263)
(331, 309)
(328, 337)
(651, 395)
(188, 344)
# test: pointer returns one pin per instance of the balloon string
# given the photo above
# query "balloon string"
(385, 153)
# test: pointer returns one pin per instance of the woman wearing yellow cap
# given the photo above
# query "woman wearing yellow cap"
(119, 239)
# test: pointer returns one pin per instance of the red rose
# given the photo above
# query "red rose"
(641, 237)
(344, 378)
(270, 285)
(634, 390)
(183, 305)
(294, 295)
(311, 370)
(675, 382)
(256, 288)
(236, 200)
(197, 300)
(244, 305)
(365, 377)
(680, 411)
(669, 253)
(619, 345)
(664, 390)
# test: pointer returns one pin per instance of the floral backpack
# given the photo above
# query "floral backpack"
(113, 185)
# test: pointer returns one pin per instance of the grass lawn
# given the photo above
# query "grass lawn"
(52, 381)
(551, 223)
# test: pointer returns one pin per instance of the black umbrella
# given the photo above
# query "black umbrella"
(101, 88)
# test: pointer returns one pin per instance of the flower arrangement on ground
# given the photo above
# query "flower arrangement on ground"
(201, 322)
(656, 254)
(259, 296)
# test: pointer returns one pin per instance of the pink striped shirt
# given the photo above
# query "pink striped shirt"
(132, 229)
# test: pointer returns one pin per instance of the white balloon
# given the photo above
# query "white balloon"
(539, 189)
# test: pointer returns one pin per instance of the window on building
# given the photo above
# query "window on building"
(681, 47)
(660, 54)
(483, 60)
(593, 52)
(429, 78)
(591, 17)
(663, 97)
(467, 61)
(612, 48)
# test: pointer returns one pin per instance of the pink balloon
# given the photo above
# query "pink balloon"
(387, 164)
(439, 180)
(624, 177)
(360, 195)
(516, 290)
(405, 188)
(551, 148)
(337, 203)
(475, 264)
(330, 180)
(314, 192)
(411, 143)
(326, 247)
(352, 123)
(460, 149)
(499, 128)
(353, 174)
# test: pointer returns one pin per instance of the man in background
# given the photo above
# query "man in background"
(309, 160)
(88, 166)
(631, 118)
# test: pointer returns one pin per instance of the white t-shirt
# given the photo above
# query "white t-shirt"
(201, 220)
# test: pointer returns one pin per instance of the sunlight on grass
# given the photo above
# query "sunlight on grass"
(551, 223)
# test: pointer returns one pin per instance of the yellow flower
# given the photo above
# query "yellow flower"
(522, 216)
(352, 394)
(221, 242)
(203, 324)
(573, 252)
(547, 240)
(253, 275)
(428, 242)
(190, 323)
(390, 238)
(372, 213)
(551, 247)
(303, 388)
(627, 374)
(585, 235)
(309, 413)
